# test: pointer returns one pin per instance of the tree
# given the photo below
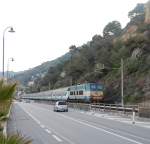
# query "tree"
(72, 48)
(112, 29)
(137, 11)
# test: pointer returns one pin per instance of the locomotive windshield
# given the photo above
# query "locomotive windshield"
(95, 87)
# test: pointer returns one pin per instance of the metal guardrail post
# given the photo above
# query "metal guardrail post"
(90, 106)
(133, 116)
(124, 110)
(110, 107)
(99, 107)
(117, 108)
(76, 106)
(138, 109)
(104, 107)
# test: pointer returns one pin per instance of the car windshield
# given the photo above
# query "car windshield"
(62, 103)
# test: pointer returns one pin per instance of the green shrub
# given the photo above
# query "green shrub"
(6, 90)
(132, 65)
(6, 95)
(4, 107)
(1, 128)
(130, 99)
(14, 139)
(143, 27)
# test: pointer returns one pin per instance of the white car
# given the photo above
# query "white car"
(61, 106)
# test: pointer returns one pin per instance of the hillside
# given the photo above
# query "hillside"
(39, 71)
(11, 73)
(99, 61)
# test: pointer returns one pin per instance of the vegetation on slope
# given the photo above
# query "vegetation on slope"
(99, 61)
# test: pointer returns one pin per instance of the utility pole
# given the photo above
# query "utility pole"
(71, 49)
(122, 84)
(122, 79)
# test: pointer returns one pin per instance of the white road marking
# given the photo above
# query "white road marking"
(65, 138)
(113, 117)
(113, 133)
(48, 131)
(57, 138)
(120, 119)
(42, 126)
(101, 129)
(35, 119)
(116, 131)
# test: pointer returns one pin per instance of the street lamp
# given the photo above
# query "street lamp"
(9, 59)
(9, 29)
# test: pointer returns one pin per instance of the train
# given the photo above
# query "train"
(86, 93)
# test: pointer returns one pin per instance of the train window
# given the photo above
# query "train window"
(74, 93)
(77, 92)
(93, 87)
(80, 92)
(71, 93)
(99, 87)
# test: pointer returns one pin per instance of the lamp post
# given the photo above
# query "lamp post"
(9, 59)
(9, 29)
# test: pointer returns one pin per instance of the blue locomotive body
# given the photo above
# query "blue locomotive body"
(88, 92)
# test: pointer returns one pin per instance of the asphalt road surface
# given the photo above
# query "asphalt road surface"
(43, 126)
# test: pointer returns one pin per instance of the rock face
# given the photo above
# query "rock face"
(136, 53)
(147, 12)
(131, 32)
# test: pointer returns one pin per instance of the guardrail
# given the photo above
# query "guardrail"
(99, 107)
(105, 107)
(140, 110)
(116, 107)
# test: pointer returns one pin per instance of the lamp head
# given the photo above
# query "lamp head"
(12, 59)
(11, 30)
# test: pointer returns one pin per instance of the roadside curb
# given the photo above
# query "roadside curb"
(5, 123)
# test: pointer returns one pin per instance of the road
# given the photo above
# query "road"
(43, 126)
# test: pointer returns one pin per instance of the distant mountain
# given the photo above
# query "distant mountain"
(11, 73)
(39, 71)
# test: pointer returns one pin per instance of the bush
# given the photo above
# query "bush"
(130, 99)
(14, 139)
(4, 108)
(132, 66)
(143, 27)
(6, 93)
(6, 90)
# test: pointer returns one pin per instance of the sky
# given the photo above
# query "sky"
(44, 29)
